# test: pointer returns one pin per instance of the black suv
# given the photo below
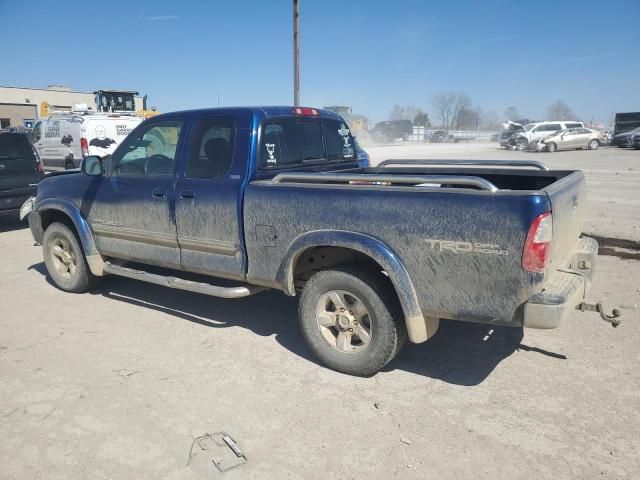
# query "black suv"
(20, 171)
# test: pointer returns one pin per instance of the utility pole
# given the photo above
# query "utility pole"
(296, 54)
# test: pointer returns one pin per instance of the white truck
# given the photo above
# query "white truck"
(63, 140)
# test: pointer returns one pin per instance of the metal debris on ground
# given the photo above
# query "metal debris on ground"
(223, 450)
(125, 372)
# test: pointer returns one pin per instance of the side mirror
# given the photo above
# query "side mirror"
(91, 166)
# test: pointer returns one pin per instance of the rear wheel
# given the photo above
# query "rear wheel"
(351, 320)
(551, 147)
(65, 260)
(593, 145)
(68, 164)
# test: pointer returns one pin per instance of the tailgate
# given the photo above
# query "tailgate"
(568, 205)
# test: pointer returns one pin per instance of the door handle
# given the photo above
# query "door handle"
(188, 194)
(159, 193)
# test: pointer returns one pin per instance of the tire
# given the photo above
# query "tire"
(68, 165)
(522, 144)
(383, 322)
(593, 145)
(68, 268)
(551, 147)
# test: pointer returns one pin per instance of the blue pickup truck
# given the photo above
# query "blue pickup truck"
(260, 198)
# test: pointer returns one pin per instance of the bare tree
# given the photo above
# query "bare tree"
(422, 119)
(462, 111)
(410, 112)
(560, 111)
(490, 121)
(444, 105)
(397, 113)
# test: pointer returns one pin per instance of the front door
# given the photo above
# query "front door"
(209, 195)
(131, 213)
(570, 139)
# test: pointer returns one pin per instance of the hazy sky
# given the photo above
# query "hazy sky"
(365, 53)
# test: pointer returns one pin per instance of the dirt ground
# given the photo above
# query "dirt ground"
(118, 382)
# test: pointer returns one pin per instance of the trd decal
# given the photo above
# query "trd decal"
(465, 247)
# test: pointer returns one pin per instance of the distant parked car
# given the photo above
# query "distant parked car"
(533, 132)
(391, 130)
(626, 139)
(571, 139)
(510, 130)
(20, 171)
(439, 136)
(361, 155)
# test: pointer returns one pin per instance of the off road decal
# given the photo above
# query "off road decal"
(465, 247)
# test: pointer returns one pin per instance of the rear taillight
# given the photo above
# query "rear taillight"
(39, 166)
(304, 111)
(537, 248)
(84, 146)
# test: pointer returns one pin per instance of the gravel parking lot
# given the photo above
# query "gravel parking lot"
(117, 383)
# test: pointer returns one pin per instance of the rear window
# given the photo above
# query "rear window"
(300, 141)
(574, 125)
(16, 154)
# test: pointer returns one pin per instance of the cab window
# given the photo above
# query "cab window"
(300, 141)
(211, 150)
(150, 151)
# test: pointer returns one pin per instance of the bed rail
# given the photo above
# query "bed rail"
(475, 163)
(415, 180)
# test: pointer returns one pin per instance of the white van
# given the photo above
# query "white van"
(63, 140)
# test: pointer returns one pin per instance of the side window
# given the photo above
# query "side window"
(211, 150)
(36, 135)
(573, 125)
(150, 151)
(554, 127)
(571, 131)
(280, 144)
(338, 139)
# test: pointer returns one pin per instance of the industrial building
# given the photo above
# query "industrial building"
(21, 107)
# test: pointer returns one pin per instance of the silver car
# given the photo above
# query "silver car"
(571, 139)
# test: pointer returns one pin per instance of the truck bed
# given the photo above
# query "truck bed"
(461, 244)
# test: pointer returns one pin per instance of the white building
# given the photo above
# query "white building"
(21, 106)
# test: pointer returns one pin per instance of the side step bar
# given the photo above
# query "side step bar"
(181, 284)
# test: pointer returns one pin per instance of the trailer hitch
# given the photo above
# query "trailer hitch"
(613, 319)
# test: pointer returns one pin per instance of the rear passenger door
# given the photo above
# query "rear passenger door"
(209, 196)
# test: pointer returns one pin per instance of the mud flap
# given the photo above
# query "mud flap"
(27, 207)
(613, 319)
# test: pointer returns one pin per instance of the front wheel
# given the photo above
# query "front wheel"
(351, 320)
(593, 145)
(521, 144)
(65, 260)
(551, 147)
